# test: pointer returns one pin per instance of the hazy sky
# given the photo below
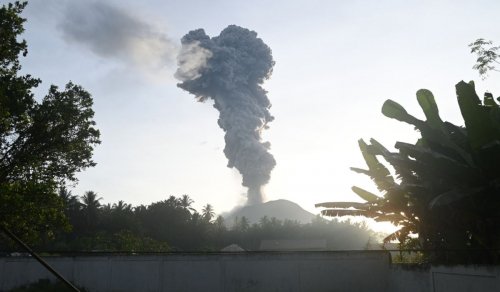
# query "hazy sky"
(336, 63)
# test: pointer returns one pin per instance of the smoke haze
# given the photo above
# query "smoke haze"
(111, 32)
(230, 69)
(191, 60)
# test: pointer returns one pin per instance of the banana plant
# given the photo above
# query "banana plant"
(445, 188)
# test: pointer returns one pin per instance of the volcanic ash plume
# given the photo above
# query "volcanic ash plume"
(230, 69)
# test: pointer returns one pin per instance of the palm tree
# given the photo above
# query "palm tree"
(186, 202)
(219, 224)
(64, 194)
(208, 212)
(70, 201)
(90, 200)
(91, 206)
(121, 206)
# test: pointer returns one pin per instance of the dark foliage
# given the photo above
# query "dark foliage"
(487, 56)
(173, 225)
(42, 144)
(445, 188)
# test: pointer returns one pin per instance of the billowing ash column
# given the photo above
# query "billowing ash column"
(230, 69)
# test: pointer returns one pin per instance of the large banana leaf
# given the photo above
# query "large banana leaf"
(364, 194)
(454, 195)
(480, 129)
(378, 149)
(344, 212)
(377, 171)
(415, 188)
(429, 106)
(495, 117)
(393, 110)
(356, 205)
(441, 181)
(489, 100)
(401, 163)
(362, 171)
(393, 218)
(458, 135)
(448, 167)
(490, 159)
(399, 235)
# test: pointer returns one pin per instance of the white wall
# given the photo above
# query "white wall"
(298, 271)
(295, 271)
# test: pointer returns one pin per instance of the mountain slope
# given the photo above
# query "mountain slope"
(280, 209)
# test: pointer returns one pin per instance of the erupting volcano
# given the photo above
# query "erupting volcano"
(230, 69)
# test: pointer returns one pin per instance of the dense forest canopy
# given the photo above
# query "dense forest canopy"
(174, 225)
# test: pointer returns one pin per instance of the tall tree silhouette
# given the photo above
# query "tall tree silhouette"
(186, 202)
(208, 212)
(90, 208)
(43, 142)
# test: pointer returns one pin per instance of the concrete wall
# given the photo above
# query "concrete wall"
(409, 278)
(298, 271)
(462, 279)
(412, 278)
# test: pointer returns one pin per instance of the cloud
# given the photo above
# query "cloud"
(192, 59)
(112, 32)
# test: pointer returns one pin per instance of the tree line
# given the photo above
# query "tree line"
(174, 225)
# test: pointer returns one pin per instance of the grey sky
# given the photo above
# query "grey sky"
(336, 63)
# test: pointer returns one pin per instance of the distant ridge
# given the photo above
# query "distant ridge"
(280, 209)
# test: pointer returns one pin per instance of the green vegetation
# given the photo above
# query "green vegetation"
(174, 225)
(42, 144)
(446, 186)
(487, 56)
